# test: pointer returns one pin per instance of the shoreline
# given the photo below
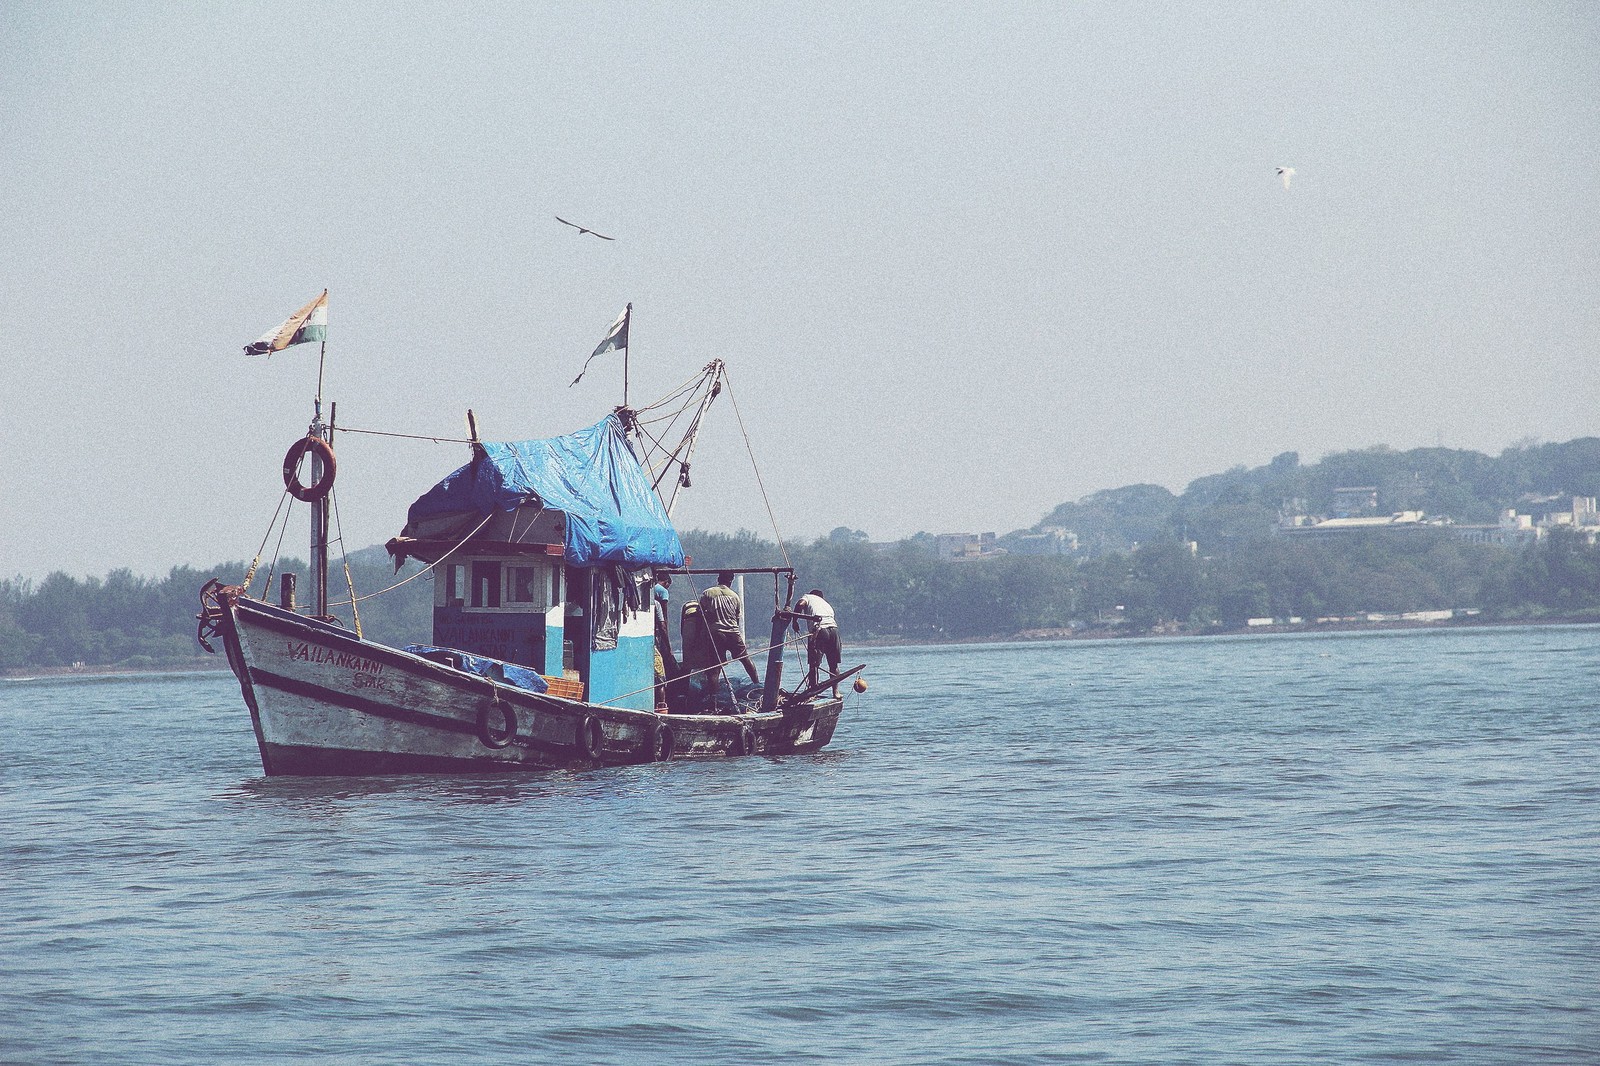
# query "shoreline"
(208, 664)
(1115, 633)
(31, 673)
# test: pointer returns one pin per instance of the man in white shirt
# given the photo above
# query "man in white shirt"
(818, 614)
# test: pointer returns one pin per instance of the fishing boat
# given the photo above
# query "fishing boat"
(543, 652)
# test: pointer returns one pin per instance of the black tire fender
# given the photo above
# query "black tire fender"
(747, 740)
(487, 725)
(661, 742)
(591, 736)
(291, 469)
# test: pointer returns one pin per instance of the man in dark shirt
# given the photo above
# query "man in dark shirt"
(666, 661)
(701, 677)
(722, 611)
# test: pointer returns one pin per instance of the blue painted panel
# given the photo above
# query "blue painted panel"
(553, 636)
(630, 667)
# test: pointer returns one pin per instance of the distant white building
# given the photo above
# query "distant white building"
(1582, 519)
(1513, 528)
(1581, 514)
(1324, 528)
(962, 546)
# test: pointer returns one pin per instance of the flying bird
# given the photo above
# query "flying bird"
(1283, 172)
(582, 229)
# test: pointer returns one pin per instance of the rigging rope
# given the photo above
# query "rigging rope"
(656, 468)
(751, 452)
(424, 570)
(673, 416)
(689, 390)
(277, 550)
(355, 612)
(407, 436)
(669, 397)
(250, 571)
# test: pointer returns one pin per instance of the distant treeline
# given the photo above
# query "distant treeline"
(137, 622)
(1137, 573)
(906, 592)
(903, 592)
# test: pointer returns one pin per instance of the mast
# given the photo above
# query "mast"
(693, 436)
(319, 522)
(319, 506)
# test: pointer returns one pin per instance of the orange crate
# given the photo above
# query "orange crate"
(567, 690)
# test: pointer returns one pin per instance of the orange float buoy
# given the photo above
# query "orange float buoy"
(860, 685)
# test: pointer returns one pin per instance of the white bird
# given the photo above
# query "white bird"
(1286, 173)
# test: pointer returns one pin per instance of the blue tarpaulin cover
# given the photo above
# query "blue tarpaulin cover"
(518, 676)
(613, 515)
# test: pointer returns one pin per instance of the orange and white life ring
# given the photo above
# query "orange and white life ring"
(291, 469)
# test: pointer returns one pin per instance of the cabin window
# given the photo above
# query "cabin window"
(453, 589)
(528, 585)
(485, 584)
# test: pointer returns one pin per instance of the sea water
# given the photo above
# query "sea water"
(1363, 848)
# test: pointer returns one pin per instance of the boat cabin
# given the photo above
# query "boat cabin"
(558, 581)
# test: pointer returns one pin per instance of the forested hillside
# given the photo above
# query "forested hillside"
(1229, 509)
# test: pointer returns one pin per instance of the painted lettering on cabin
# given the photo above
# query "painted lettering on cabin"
(512, 643)
(450, 635)
(305, 652)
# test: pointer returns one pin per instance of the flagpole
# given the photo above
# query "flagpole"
(319, 506)
(625, 353)
(293, 332)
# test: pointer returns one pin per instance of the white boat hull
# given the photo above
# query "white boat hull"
(324, 702)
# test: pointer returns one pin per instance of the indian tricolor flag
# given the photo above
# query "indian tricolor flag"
(310, 323)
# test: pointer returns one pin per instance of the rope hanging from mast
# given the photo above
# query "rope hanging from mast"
(250, 571)
(424, 570)
(407, 436)
(755, 467)
(692, 398)
(338, 523)
(659, 460)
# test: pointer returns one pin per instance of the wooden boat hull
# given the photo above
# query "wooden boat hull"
(324, 702)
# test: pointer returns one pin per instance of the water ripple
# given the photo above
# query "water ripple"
(1363, 848)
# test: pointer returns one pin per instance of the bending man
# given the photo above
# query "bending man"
(824, 642)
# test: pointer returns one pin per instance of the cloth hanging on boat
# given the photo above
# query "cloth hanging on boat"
(613, 514)
(632, 596)
(607, 612)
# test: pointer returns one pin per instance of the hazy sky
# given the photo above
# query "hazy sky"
(964, 261)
